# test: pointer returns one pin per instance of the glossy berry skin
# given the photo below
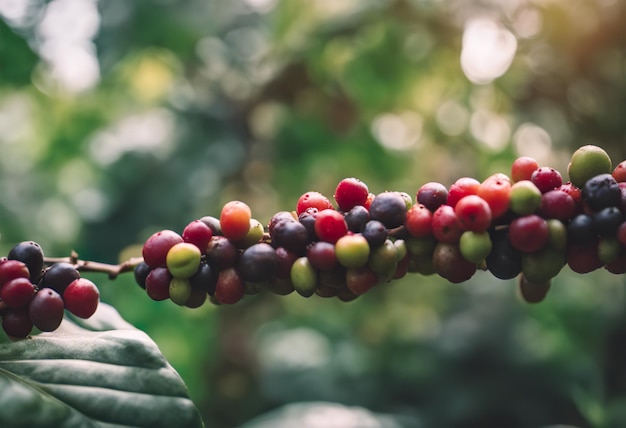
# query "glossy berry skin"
(389, 208)
(496, 190)
(183, 259)
(140, 274)
(504, 261)
(12, 269)
(322, 255)
(606, 221)
(16, 323)
(349, 193)
(198, 233)
(356, 218)
(546, 179)
(81, 298)
(475, 246)
(601, 191)
(221, 252)
(580, 229)
(375, 233)
(462, 187)
(352, 250)
(155, 248)
(307, 218)
(31, 254)
(235, 220)
(179, 290)
(450, 263)
(303, 277)
(523, 168)
(291, 235)
(360, 280)
(556, 204)
(432, 195)
(59, 276)
(258, 263)
(619, 173)
(446, 225)
(525, 197)
(583, 258)
(158, 283)
(312, 200)
(213, 223)
(230, 287)
(17, 293)
(284, 260)
(473, 213)
(586, 162)
(574, 192)
(533, 292)
(529, 233)
(46, 310)
(419, 220)
(330, 225)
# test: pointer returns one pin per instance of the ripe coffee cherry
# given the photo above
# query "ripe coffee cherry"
(183, 259)
(587, 162)
(291, 235)
(619, 173)
(546, 179)
(419, 220)
(213, 223)
(12, 269)
(375, 233)
(307, 218)
(141, 273)
(59, 276)
(330, 225)
(18, 293)
(496, 190)
(529, 233)
(46, 310)
(31, 254)
(322, 255)
(356, 218)
(464, 186)
(312, 200)
(432, 195)
(583, 258)
(450, 263)
(606, 221)
(230, 287)
(523, 168)
(221, 252)
(349, 193)
(533, 292)
(158, 283)
(16, 323)
(155, 248)
(558, 205)
(235, 220)
(580, 229)
(504, 261)
(81, 298)
(198, 233)
(204, 279)
(473, 213)
(446, 225)
(258, 263)
(360, 280)
(601, 191)
(352, 250)
(389, 208)
(284, 260)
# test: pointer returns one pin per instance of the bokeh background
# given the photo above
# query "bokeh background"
(118, 119)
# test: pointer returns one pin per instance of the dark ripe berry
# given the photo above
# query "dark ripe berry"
(284, 260)
(213, 223)
(198, 233)
(446, 225)
(291, 235)
(601, 191)
(557, 204)
(546, 179)
(196, 298)
(461, 188)
(258, 262)
(46, 310)
(81, 298)
(277, 218)
(580, 229)
(432, 195)
(523, 168)
(312, 199)
(322, 255)
(16, 323)
(158, 284)
(533, 292)
(418, 222)
(529, 233)
(349, 193)
(221, 252)
(450, 264)
(356, 218)
(375, 233)
(583, 258)
(230, 287)
(473, 213)
(155, 248)
(59, 276)
(504, 261)
(204, 278)
(330, 225)
(496, 190)
(360, 280)
(622, 188)
(307, 218)
(621, 234)
(140, 273)
(11, 269)
(389, 208)
(18, 293)
(606, 221)
(31, 254)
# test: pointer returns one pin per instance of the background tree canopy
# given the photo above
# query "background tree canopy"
(119, 118)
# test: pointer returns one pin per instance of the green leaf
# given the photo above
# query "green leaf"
(100, 372)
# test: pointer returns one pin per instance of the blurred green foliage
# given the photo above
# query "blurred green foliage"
(118, 119)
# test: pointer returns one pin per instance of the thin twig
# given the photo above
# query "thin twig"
(111, 270)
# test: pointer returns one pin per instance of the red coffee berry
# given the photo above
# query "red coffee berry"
(198, 233)
(155, 248)
(17, 293)
(46, 310)
(461, 188)
(473, 213)
(546, 179)
(419, 220)
(446, 225)
(529, 233)
(81, 297)
(349, 193)
(522, 168)
(496, 191)
(235, 220)
(330, 225)
(312, 199)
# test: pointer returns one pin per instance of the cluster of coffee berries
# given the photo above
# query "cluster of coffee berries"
(33, 295)
(529, 224)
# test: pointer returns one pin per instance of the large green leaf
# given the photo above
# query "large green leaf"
(96, 373)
